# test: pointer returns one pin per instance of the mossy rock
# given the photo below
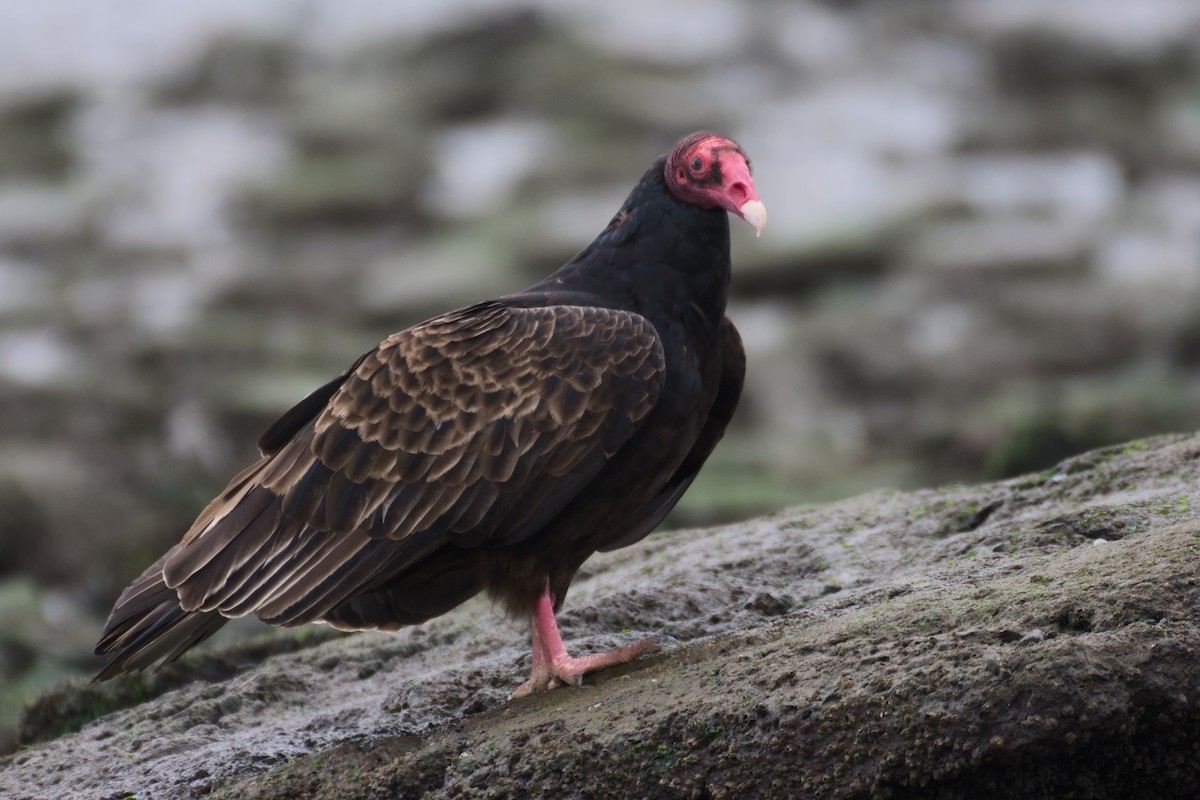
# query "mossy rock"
(1023, 639)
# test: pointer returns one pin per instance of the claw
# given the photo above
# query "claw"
(554, 666)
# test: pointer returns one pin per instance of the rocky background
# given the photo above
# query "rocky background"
(984, 249)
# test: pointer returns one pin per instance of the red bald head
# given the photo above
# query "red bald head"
(710, 171)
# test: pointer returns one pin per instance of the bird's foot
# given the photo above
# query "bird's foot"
(563, 670)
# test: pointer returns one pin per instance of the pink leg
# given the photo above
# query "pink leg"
(553, 665)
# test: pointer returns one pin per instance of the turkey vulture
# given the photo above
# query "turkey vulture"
(493, 448)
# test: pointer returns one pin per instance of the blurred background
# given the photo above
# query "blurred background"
(983, 255)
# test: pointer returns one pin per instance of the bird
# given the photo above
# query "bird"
(493, 448)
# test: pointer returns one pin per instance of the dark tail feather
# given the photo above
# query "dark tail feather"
(147, 625)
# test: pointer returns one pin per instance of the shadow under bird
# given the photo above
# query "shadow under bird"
(496, 447)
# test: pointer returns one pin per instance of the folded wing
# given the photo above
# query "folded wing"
(475, 427)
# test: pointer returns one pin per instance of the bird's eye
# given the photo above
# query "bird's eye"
(696, 162)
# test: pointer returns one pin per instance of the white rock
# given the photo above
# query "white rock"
(996, 243)
(36, 357)
(878, 115)
(1138, 258)
(1157, 246)
(1086, 187)
(941, 330)
(477, 168)
(436, 274)
(169, 175)
(664, 31)
(91, 45)
(35, 212)
(1138, 28)
(845, 160)
(814, 37)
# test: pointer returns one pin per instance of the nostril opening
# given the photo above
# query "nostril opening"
(739, 193)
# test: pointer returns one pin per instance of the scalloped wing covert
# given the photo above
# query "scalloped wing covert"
(476, 426)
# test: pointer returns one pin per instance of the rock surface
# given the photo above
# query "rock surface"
(1037, 637)
(984, 252)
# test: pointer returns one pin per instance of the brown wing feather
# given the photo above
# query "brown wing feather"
(444, 434)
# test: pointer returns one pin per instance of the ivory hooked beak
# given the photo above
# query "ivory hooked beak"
(754, 212)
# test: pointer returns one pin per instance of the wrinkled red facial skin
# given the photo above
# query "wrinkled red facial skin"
(722, 179)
